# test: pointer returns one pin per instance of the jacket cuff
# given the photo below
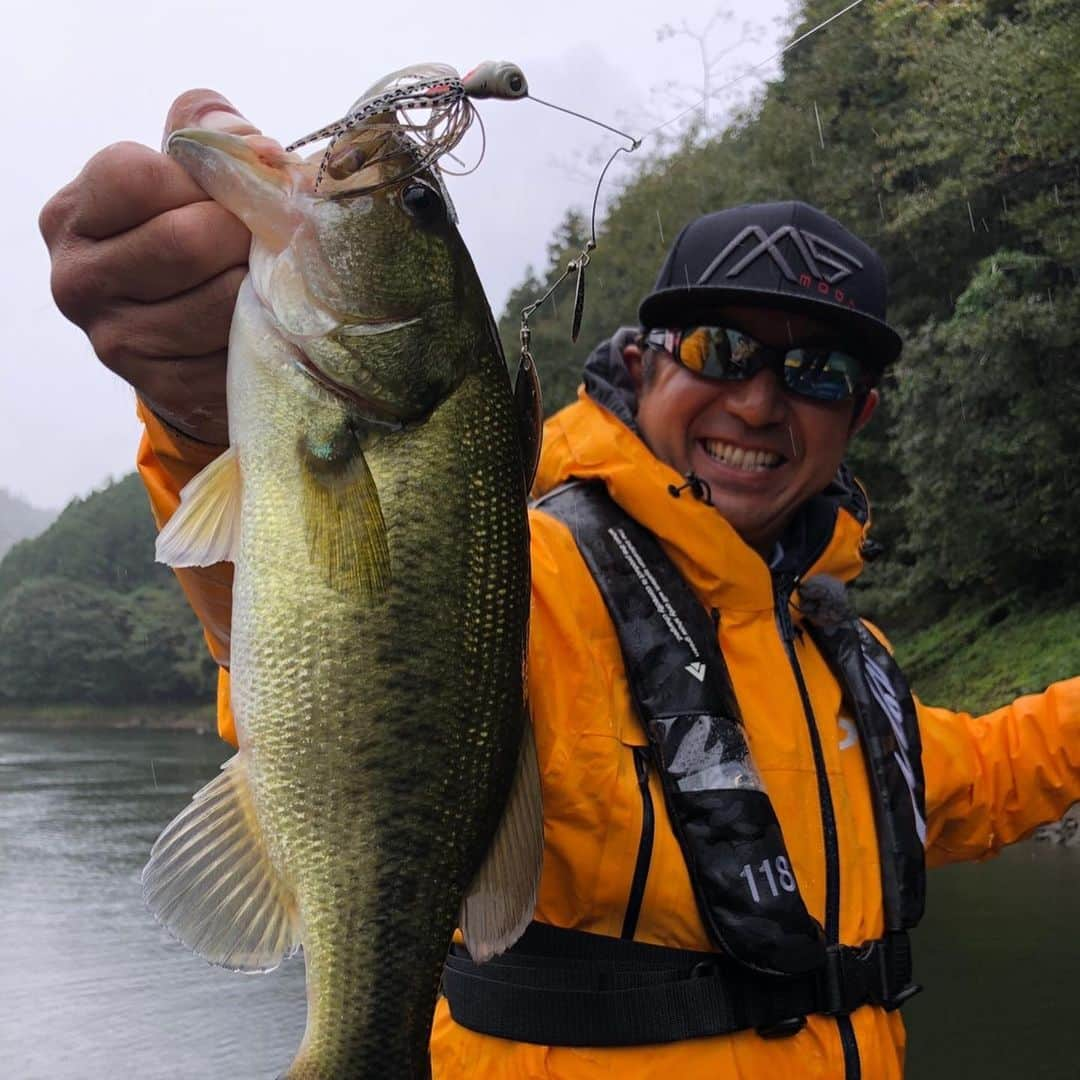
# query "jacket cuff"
(167, 460)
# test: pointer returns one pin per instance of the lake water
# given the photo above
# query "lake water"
(91, 987)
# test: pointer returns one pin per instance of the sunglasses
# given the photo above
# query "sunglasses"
(723, 353)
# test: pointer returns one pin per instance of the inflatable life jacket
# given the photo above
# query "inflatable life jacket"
(774, 964)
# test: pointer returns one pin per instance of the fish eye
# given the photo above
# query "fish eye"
(423, 203)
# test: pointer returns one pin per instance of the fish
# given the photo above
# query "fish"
(373, 500)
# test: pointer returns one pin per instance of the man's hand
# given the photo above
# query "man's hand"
(150, 267)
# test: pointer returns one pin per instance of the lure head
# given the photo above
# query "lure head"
(368, 276)
(496, 79)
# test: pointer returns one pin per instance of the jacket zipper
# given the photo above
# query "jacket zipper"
(645, 844)
(784, 585)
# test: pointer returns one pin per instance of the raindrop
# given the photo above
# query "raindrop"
(820, 133)
(971, 216)
(660, 226)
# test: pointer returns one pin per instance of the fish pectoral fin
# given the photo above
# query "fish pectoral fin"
(502, 897)
(211, 884)
(205, 529)
(344, 527)
(529, 406)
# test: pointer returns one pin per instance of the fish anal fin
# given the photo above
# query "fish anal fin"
(205, 529)
(500, 902)
(211, 884)
(343, 518)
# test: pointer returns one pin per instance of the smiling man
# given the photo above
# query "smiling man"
(740, 793)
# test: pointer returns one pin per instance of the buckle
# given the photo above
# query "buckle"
(901, 997)
(842, 983)
(895, 970)
(782, 1029)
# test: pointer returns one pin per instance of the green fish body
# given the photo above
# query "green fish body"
(373, 502)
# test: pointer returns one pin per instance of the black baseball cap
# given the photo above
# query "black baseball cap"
(786, 255)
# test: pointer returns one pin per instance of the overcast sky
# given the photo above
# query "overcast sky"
(76, 76)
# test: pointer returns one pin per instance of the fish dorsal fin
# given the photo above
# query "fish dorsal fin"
(501, 900)
(211, 884)
(205, 529)
(529, 406)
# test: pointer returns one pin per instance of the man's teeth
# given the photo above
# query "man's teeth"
(739, 458)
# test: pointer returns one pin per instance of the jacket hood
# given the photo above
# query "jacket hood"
(596, 438)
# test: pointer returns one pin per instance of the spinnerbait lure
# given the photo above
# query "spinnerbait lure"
(437, 88)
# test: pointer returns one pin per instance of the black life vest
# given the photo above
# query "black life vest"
(774, 963)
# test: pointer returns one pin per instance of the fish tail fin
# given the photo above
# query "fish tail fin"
(205, 529)
(501, 900)
(210, 881)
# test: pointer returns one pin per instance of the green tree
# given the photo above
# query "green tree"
(63, 641)
(987, 434)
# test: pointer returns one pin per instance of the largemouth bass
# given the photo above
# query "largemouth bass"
(373, 502)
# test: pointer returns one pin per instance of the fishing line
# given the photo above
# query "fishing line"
(446, 98)
(581, 116)
(579, 264)
(750, 70)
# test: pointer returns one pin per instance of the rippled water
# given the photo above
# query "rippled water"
(91, 987)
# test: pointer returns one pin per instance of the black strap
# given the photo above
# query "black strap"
(559, 987)
(888, 724)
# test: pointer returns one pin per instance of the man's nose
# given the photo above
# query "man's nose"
(757, 401)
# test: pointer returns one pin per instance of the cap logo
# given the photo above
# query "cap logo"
(825, 261)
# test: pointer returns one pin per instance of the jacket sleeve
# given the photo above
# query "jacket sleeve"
(991, 779)
(167, 461)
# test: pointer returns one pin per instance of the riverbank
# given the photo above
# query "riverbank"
(199, 718)
(980, 657)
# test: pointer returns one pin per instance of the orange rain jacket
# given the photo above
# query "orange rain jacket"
(989, 779)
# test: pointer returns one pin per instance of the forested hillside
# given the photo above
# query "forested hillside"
(949, 139)
(87, 616)
(948, 136)
(19, 520)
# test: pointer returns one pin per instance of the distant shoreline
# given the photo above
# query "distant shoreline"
(195, 717)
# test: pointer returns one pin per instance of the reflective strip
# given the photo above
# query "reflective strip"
(885, 696)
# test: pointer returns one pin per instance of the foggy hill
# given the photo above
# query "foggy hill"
(20, 521)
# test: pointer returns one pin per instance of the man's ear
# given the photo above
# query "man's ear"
(869, 407)
(634, 360)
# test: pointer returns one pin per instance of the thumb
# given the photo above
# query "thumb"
(208, 109)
